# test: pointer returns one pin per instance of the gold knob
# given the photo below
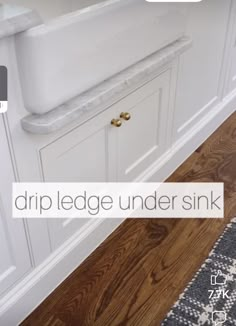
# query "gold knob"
(116, 122)
(125, 115)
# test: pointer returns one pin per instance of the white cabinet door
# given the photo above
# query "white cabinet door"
(14, 253)
(83, 155)
(200, 80)
(142, 139)
(97, 151)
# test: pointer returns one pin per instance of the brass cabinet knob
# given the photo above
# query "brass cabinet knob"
(125, 115)
(116, 122)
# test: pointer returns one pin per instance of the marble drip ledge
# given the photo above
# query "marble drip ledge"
(15, 19)
(97, 99)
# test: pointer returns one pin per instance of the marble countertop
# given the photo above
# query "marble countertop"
(99, 98)
(15, 19)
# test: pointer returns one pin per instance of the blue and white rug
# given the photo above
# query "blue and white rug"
(210, 298)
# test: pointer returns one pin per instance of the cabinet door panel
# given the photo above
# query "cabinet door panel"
(142, 139)
(14, 253)
(200, 80)
(79, 156)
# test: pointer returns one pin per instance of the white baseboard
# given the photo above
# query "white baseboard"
(36, 286)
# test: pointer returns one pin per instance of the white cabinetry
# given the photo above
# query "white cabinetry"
(82, 155)
(98, 151)
(15, 260)
(141, 140)
(201, 74)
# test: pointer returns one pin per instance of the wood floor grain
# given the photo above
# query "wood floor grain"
(136, 275)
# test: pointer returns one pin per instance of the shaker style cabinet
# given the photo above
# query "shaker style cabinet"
(201, 73)
(116, 145)
(79, 156)
(14, 253)
(142, 139)
(82, 155)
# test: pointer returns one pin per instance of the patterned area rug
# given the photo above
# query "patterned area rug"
(210, 298)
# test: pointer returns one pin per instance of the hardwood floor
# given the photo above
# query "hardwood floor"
(137, 274)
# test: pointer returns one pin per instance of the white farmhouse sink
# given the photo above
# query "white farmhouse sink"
(67, 55)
